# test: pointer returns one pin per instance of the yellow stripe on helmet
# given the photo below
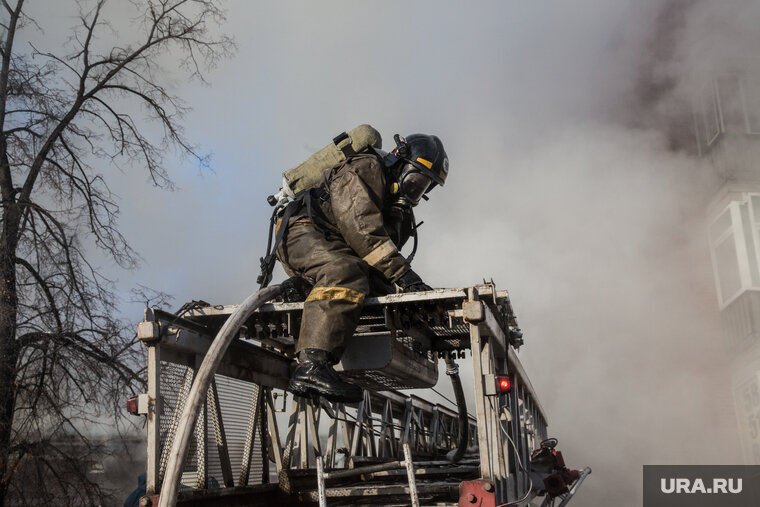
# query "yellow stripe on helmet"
(424, 162)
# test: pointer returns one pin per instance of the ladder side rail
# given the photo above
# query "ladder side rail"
(516, 369)
(155, 407)
(528, 426)
(500, 436)
(524, 429)
(490, 357)
(480, 351)
(517, 430)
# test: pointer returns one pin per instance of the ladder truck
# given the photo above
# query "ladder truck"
(222, 430)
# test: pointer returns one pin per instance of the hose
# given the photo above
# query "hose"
(452, 370)
(197, 395)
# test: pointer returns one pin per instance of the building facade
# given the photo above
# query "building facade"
(727, 127)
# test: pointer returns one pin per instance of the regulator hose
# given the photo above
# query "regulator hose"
(198, 391)
(452, 370)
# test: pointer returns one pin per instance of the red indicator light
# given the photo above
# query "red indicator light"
(504, 384)
(132, 406)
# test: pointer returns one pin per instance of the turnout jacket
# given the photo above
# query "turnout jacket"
(355, 203)
(343, 232)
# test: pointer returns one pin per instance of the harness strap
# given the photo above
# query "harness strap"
(268, 261)
(307, 200)
(301, 198)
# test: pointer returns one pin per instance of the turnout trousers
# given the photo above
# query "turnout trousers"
(341, 282)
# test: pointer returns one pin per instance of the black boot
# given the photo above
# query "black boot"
(315, 376)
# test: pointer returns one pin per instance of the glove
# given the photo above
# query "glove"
(411, 282)
(295, 289)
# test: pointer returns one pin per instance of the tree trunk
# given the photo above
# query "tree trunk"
(8, 346)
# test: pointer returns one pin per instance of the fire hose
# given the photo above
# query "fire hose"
(452, 370)
(197, 395)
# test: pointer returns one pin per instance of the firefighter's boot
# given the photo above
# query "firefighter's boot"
(315, 376)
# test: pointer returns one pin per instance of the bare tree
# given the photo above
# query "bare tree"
(66, 116)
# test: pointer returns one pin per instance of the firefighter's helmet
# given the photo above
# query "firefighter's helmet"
(425, 165)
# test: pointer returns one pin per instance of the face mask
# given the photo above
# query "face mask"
(413, 185)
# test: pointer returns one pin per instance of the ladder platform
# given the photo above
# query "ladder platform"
(238, 440)
(433, 318)
(399, 337)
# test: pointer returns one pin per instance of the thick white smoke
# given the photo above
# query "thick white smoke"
(565, 128)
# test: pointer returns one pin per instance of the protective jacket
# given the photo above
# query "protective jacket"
(345, 237)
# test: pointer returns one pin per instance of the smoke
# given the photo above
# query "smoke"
(601, 246)
(572, 185)
(598, 232)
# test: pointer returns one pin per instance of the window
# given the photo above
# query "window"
(750, 229)
(730, 104)
(708, 119)
(751, 95)
(725, 258)
(729, 277)
(735, 246)
(754, 212)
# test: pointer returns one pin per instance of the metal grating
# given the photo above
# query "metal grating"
(411, 367)
(235, 400)
(176, 381)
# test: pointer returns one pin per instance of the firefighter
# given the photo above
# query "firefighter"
(345, 240)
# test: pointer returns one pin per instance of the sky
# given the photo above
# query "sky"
(564, 187)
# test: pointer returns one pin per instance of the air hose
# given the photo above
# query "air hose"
(452, 370)
(200, 387)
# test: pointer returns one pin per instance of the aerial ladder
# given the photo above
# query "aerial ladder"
(222, 430)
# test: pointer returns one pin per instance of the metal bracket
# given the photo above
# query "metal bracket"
(149, 332)
(284, 397)
(489, 381)
(472, 312)
(143, 402)
(477, 493)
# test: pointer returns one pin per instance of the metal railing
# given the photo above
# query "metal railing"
(237, 432)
